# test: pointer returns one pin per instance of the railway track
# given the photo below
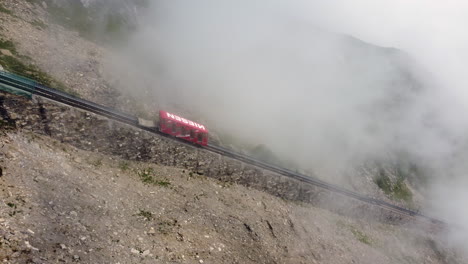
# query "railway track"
(58, 96)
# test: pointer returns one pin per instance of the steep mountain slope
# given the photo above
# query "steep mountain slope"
(60, 203)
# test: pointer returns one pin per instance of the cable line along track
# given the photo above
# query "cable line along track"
(33, 87)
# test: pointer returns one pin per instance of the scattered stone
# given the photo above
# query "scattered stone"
(76, 257)
(44, 5)
(63, 246)
(30, 247)
(1, 68)
(134, 251)
(145, 253)
(73, 213)
(151, 231)
(30, 231)
(6, 52)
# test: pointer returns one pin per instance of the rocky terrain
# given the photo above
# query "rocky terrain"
(63, 204)
(76, 188)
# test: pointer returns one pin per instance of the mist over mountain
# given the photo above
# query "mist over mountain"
(101, 20)
(369, 96)
(322, 99)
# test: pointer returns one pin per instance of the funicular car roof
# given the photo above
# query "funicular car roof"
(182, 121)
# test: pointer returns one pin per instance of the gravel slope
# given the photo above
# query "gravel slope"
(61, 204)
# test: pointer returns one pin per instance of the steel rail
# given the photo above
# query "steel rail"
(320, 183)
(68, 99)
(86, 105)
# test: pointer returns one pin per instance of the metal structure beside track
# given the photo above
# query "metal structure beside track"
(12, 80)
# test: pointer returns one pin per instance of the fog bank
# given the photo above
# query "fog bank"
(302, 78)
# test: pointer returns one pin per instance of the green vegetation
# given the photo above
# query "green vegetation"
(384, 182)
(95, 23)
(97, 163)
(4, 10)
(396, 190)
(124, 166)
(145, 214)
(8, 45)
(7, 125)
(14, 65)
(146, 177)
(14, 207)
(360, 236)
(162, 183)
(401, 191)
(165, 227)
(39, 24)
(263, 153)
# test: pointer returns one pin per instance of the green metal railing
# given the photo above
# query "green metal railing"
(9, 89)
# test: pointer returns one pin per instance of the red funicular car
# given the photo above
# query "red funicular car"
(182, 128)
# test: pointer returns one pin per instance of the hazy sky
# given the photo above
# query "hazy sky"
(271, 72)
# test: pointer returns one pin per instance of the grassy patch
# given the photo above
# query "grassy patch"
(8, 45)
(39, 24)
(360, 236)
(4, 10)
(14, 65)
(97, 163)
(165, 227)
(124, 166)
(162, 183)
(384, 182)
(96, 24)
(396, 190)
(7, 125)
(401, 191)
(146, 177)
(145, 214)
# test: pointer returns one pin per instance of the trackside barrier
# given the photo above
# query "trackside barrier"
(29, 86)
(10, 89)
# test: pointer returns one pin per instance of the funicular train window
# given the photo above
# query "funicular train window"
(184, 132)
(173, 127)
(177, 129)
(200, 137)
(192, 134)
